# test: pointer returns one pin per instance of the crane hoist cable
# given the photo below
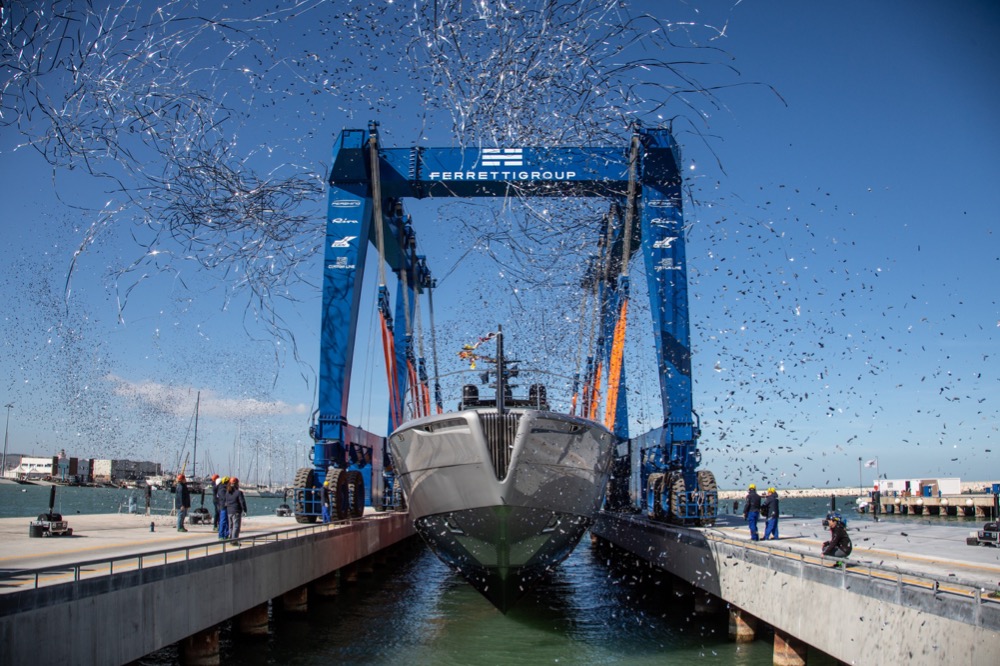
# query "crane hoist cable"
(434, 355)
(425, 394)
(595, 396)
(579, 354)
(408, 256)
(377, 206)
(389, 350)
(385, 315)
(591, 393)
(618, 342)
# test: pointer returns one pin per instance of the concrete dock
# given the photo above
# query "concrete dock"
(908, 592)
(116, 591)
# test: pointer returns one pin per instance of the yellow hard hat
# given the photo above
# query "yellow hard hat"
(225, 479)
(326, 484)
(771, 490)
(753, 486)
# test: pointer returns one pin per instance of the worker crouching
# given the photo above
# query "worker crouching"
(839, 544)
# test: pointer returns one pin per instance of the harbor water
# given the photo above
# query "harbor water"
(594, 609)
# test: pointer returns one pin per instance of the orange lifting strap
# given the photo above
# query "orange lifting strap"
(411, 372)
(615, 370)
(426, 392)
(388, 347)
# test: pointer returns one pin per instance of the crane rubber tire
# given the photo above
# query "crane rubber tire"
(340, 500)
(655, 483)
(356, 492)
(709, 508)
(674, 484)
(304, 478)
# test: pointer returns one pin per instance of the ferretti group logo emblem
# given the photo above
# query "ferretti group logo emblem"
(343, 242)
(503, 157)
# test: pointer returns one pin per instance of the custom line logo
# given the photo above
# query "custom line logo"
(345, 203)
(343, 242)
(503, 157)
(341, 264)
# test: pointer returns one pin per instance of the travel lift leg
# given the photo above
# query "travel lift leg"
(687, 495)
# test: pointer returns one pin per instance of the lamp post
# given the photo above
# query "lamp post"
(6, 431)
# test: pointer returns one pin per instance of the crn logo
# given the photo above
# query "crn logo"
(343, 242)
(666, 243)
(345, 203)
(502, 157)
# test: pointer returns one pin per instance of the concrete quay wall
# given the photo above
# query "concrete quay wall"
(120, 618)
(857, 619)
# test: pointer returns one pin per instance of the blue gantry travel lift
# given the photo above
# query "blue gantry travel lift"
(656, 472)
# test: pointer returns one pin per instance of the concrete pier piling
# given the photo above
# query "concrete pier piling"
(296, 600)
(201, 648)
(788, 651)
(742, 626)
(253, 621)
(327, 586)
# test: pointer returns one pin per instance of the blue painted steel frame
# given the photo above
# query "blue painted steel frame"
(477, 172)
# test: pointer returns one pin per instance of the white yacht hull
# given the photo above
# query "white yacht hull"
(502, 499)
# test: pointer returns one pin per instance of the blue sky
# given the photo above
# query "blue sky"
(842, 254)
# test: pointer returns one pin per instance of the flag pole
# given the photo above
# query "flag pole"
(861, 488)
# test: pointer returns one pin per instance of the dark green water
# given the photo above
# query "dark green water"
(415, 611)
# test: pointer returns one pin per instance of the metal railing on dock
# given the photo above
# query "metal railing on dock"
(902, 580)
(23, 579)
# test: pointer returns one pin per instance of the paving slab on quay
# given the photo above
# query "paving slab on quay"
(938, 552)
(107, 536)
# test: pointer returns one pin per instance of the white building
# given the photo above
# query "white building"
(110, 471)
(921, 487)
(34, 467)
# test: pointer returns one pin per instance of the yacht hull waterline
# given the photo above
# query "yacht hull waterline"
(502, 498)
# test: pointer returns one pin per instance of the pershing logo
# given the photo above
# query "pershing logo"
(666, 264)
(345, 203)
(506, 159)
(343, 242)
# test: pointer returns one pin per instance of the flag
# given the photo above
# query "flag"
(872, 462)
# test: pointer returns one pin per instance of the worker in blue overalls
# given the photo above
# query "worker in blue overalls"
(325, 497)
(751, 511)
